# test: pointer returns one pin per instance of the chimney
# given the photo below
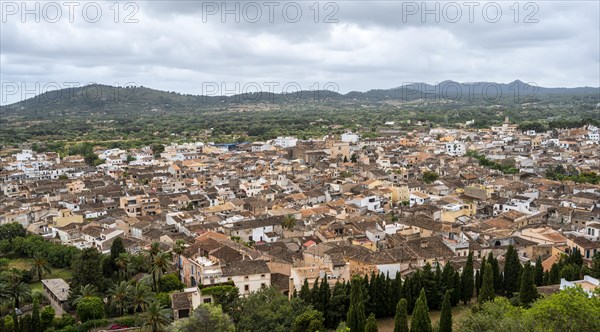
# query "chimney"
(424, 244)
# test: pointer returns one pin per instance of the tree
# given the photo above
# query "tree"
(40, 266)
(46, 317)
(14, 289)
(122, 264)
(309, 321)
(466, 282)
(140, 296)
(430, 177)
(497, 316)
(156, 317)
(421, 322)
(538, 275)
(178, 249)
(338, 305)
(355, 318)
(87, 269)
(305, 293)
(118, 296)
(289, 221)
(528, 293)
(206, 317)
(83, 292)
(116, 249)
(36, 325)
(170, 282)
(159, 265)
(568, 310)
(224, 295)
(446, 315)
(401, 319)
(512, 271)
(371, 325)
(90, 308)
(487, 284)
(267, 310)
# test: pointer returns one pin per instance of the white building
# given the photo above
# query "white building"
(456, 149)
(350, 137)
(285, 142)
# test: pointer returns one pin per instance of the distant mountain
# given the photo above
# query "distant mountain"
(107, 100)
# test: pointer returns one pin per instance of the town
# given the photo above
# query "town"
(290, 215)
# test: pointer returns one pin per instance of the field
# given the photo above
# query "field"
(26, 263)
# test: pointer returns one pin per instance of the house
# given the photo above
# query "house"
(588, 284)
(57, 292)
(247, 275)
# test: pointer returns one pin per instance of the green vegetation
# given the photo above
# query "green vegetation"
(559, 173)
(483, 161)
(568, 310)
(131, 117)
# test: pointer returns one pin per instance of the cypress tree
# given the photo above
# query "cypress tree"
(466, 283)
(512, 272)
(401, 319)
(36, 325)
(324, 296)
(477, 282)
(421, 322)
(314, 294)
(539, 272)
(355, 318)
(496, 270)
(554, 275)
(410, 302)
(446, 315)
(528, 293)
(371, 325)
(487, 284)
(456, 290)
(305, 292)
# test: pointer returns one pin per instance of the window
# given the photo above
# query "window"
(246, 288)
(208, 300)
(263, 285)
(262, 275)
(246, 277)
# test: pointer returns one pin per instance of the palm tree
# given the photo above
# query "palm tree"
(84, 292)
(154, 249)
(140, 297)
(156, 316)
(178, 249)
(14, 289)
(289, 222)
(119, 295)
(159, 266)
(40, 266)
(122, 262)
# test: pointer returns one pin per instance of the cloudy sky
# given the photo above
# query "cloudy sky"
(196, 47)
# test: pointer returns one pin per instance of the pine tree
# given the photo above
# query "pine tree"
(401, 319)
(446, 315)
(407, 290)
(512, 272)
(487, 284)
(466, 283)
(539, 272)
(421, 322)
(528, 293)
(371, 325)
(355, 318)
